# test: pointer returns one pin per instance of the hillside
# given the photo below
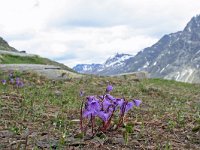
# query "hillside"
(9, 55)
(4, 45)
(44, 114)
(35, 59)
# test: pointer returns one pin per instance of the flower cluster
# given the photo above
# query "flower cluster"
(104, 107)
(13, 80)
(19, 83)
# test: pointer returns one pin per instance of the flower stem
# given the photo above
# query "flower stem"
(121, 119)
(92, 120)
(81, 117)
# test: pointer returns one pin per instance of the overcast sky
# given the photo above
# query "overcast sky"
(89, 31)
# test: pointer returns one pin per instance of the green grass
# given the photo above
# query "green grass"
(168, 118)
(13, 59)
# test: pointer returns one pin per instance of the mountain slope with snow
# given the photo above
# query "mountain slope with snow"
(175, 56)
(109, 67)
(86, 68)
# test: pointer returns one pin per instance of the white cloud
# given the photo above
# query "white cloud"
(77, 31)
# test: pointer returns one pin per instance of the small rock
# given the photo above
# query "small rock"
(6, 134)
(50, 144)
(58, 93)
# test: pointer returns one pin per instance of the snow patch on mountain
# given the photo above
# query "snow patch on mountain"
(114, 61)
(86, 68)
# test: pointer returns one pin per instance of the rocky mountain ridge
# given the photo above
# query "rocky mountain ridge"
(175, 56)
(114, 62)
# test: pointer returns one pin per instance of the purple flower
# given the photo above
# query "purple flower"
(92, 107)
(12, 80)
(101, 96)
(87, 113)
(10, 75)
(104, 107)
(129, 106)
(110, 97)
(111, 109)
(137, 102)
(3, 81)
(90, 98)
(104, 116)
(126, 106)
(119, 102)
(17, 80)
(109, 88)
(81, 93)
(106, 104)
(20, 84)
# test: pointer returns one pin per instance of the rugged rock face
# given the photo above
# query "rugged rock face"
(110, 67)
(174, 56)
(4, 45)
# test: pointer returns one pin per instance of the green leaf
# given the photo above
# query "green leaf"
(129, 128)
(196, 129)
(79, 135)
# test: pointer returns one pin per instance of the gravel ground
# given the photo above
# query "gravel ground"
(50, 71)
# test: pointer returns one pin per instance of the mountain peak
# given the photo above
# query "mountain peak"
(86, 68)
(113, 62)
(116, 59)
(193, 24)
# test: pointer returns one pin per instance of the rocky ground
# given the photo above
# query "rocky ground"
(49, 71)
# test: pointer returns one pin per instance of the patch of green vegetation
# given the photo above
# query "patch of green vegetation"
(12, 59)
